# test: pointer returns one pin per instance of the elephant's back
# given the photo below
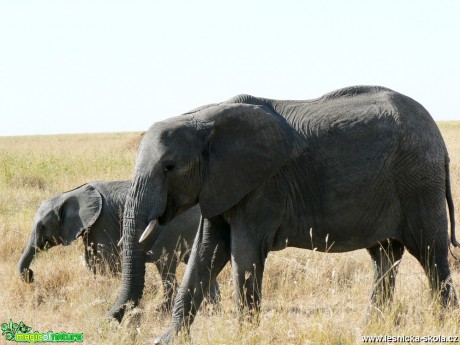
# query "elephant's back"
(114, 192)
(372, 115)
(354, 91)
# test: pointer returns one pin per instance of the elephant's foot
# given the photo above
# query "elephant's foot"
(27, 275)
(167, 337)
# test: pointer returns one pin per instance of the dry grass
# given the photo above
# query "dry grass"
(309, 297)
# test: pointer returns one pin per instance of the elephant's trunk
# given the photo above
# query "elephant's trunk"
(138, 213)
(25, 272)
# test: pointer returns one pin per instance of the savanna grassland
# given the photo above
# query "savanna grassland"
(309, 297)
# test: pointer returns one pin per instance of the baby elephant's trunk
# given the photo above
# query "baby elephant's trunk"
(25, 272)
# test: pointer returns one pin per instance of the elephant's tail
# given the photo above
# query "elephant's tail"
(450, 205)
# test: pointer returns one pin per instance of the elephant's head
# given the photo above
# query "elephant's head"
(60, 220)
(214, 157)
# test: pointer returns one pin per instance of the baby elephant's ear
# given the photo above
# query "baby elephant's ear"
(79, 209)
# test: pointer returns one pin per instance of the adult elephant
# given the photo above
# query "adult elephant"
(94, 211)
(361, 167)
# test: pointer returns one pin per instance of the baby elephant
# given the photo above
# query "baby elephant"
(94, 212)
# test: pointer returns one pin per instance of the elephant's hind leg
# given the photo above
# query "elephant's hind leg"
(426, 238)
(434, 260)
(386, 257)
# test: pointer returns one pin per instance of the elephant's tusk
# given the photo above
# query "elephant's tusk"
(148, 230)
(121, 241)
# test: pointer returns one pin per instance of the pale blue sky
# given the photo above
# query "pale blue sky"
(104, 66)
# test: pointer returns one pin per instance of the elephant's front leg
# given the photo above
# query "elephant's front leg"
(210, 253)
(90, 254)
(101, 254)
(167, 267)
(248, 262)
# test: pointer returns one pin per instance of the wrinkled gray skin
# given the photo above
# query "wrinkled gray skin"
(362, 167)
(94, 212)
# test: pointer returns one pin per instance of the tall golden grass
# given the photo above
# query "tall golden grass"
(308, 297)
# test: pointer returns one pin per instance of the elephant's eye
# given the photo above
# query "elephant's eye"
(169, 167)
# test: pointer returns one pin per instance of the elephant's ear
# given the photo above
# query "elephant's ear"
(248, 144)
(79, 210)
